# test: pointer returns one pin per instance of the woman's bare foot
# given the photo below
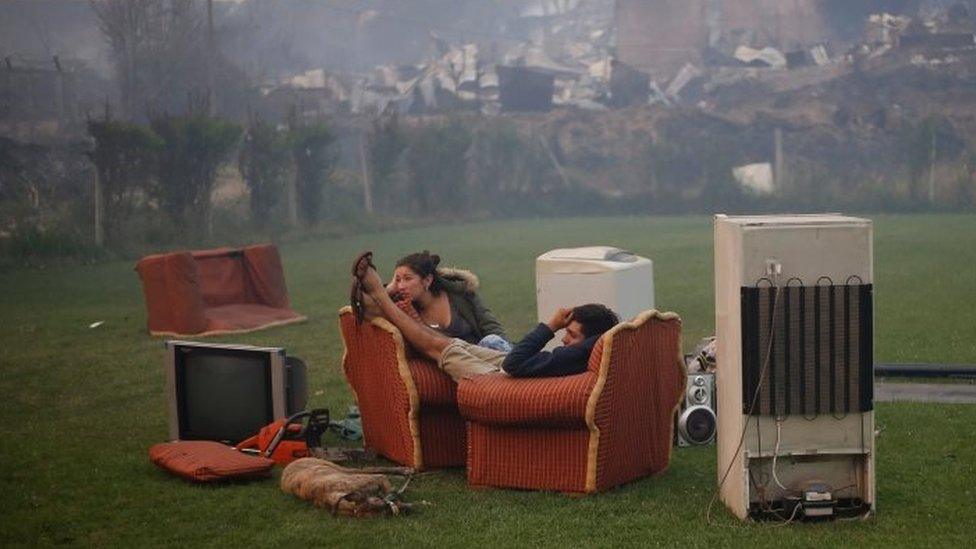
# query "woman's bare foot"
(368, 276)
(372, 296)
(372, 284)
(357, 290)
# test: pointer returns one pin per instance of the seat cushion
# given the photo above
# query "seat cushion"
(247, 316)
(207, 461)
(498, 399)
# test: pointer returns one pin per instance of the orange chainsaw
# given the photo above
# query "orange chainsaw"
(288, 439)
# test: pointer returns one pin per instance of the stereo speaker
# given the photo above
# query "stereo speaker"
(695, 423)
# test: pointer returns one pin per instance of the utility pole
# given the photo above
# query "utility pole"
(97, 192)
(932, 170)
(211, 98)
(129, 99)
(779, 168)
(32, 115)
(211, 62)
(292, 196)
(59, 91)
(367, 190)
(555, 161)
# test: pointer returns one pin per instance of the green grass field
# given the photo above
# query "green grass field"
(81, 406)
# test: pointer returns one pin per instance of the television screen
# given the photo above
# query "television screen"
(228, 392)
(223, 394)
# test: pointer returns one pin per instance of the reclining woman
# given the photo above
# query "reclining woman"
(446, 300)
(459, 359)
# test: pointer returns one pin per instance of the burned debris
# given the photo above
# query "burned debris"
(634, 105)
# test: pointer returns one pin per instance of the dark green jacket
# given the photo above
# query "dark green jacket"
(461, 287)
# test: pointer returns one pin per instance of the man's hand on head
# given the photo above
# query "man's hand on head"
(560, 319)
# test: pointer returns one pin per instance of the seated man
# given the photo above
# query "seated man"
(460, 360)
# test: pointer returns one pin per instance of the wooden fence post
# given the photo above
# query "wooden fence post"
(99, 216)
(367, 190)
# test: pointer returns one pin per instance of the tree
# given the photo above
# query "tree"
(496, 149)
(263, 163)
(193, 149)
(438, 164)
(386, 142)
(315, 159)
(154, 44)
(124, 155)
(163, 60)
(922, 147)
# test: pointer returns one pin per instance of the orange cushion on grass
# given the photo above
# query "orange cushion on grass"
(207, 461)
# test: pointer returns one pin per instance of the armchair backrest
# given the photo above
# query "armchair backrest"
(229, 276)
(640, 380)
(171, 289)
(636, 347)
(376, 368)
(222, 277)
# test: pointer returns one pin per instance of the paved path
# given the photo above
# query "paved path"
(956, 393)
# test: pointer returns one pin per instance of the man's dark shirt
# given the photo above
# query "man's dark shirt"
(528, 359)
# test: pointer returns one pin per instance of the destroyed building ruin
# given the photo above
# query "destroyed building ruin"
(659, 37)
(737, 64)
(525, 89)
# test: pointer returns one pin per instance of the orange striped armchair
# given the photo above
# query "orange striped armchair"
(407, 405)
(583, 433)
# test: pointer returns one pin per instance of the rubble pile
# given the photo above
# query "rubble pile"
(810, 116)
(844, 127)
(567, 47)
(568, 61)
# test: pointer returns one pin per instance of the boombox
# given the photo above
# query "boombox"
(695, 423)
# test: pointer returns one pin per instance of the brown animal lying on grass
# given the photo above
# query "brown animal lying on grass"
(348, 492)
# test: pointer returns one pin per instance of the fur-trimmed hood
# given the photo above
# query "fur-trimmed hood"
(459, 280)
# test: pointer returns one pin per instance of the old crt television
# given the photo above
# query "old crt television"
(228, 392)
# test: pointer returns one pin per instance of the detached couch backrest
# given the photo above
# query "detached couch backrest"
(224, 290)
(234, 275)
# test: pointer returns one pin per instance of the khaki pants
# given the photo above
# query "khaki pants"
(462, 360)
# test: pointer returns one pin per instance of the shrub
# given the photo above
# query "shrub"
(386, 143)
(263, 162)
(497, 150)
(315, 158)
(931, 141)
(437, 166)
(125, 157)
(193, 149)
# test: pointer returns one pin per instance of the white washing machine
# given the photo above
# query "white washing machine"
(568, 277)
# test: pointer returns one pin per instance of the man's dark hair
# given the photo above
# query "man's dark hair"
(595, 318)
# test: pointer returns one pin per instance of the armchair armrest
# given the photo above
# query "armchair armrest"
(498, 399)
(267, 276)
(435, 389)
(174, 303)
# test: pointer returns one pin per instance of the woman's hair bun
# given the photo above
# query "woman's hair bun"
(423, 263)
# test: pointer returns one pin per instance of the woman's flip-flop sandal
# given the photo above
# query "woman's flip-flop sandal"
(359, 269)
